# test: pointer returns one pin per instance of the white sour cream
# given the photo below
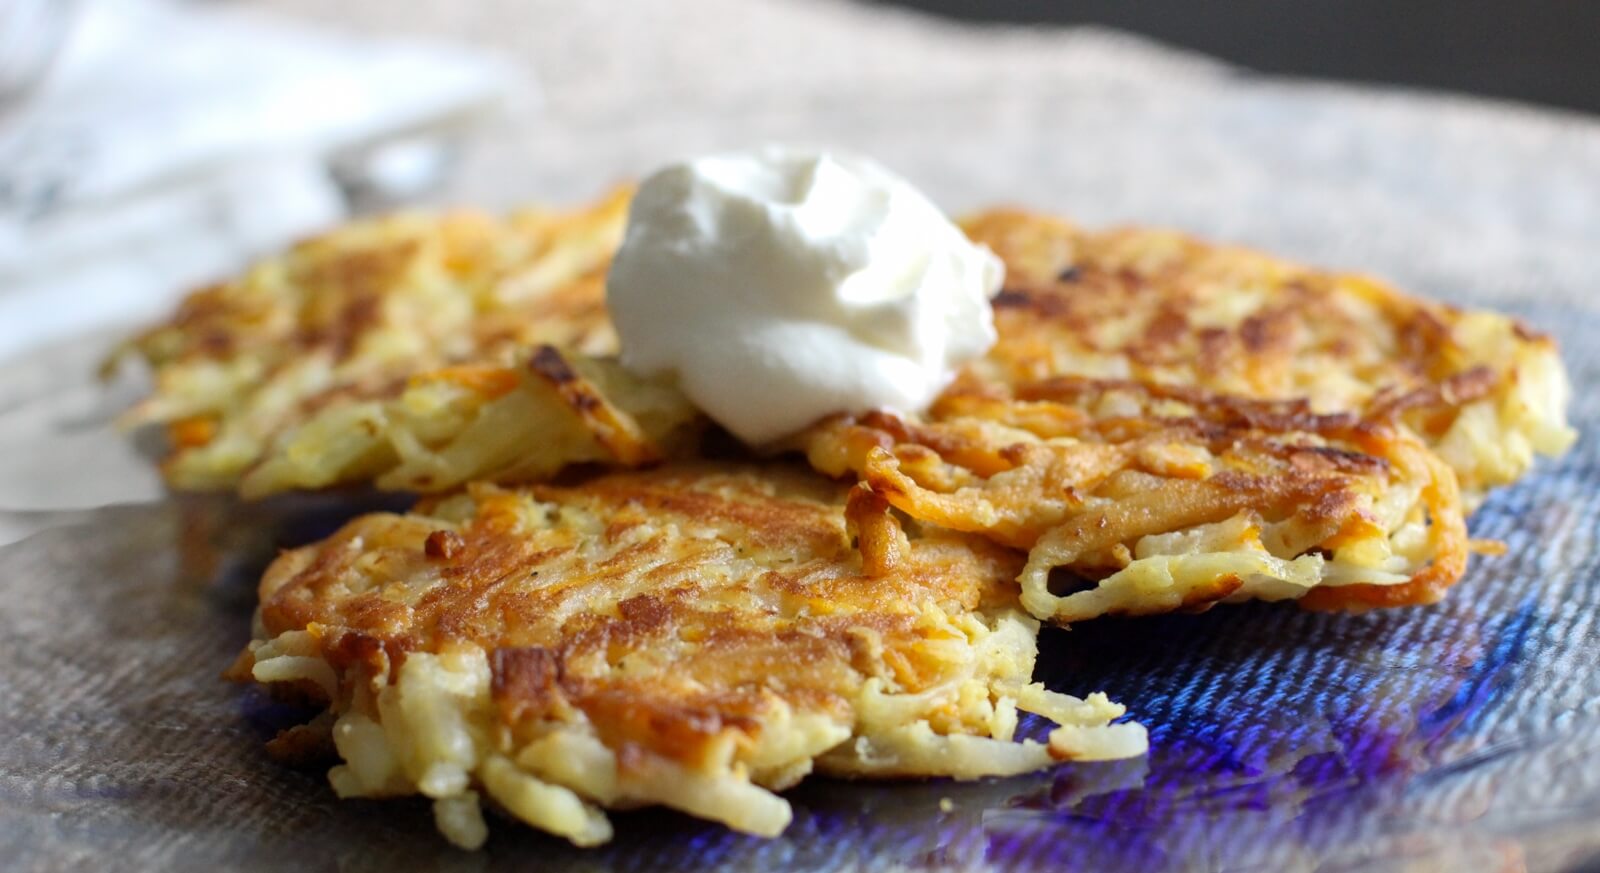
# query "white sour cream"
(780, 286)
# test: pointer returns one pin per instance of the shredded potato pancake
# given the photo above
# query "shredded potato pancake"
(1166, 424)
(417, 351)
(603, 604)
(697, 637)
(1230, 425)
(1163, 309)
(395, 349)
(1169, 504)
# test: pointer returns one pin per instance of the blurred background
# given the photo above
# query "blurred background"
(150, 145)
(1543, 51)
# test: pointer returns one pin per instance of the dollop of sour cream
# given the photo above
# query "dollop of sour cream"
(782, 285)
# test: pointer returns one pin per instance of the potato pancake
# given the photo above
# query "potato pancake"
(1166, 424)
(698, 637)
(393, 337)
(1302, 433)
(1157, 307)
(393, 349)
(1135, 500)
(517, 420)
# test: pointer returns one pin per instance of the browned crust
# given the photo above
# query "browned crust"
(374, 304)
(614, 429)
(551, 602)
(1273, 459)
(1180, 312)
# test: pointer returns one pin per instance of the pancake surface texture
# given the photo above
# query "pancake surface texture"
(1160, 308)
(1163, 424)
(698, 637)
(1166, 424)
(394, 349)
(415, 351)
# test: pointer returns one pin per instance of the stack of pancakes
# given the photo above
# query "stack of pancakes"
(602, 601)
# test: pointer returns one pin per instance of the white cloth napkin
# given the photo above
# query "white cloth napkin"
(174, 141)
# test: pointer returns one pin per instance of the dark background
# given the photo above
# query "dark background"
(1542, 51)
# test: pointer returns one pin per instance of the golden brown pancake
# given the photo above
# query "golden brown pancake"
(391, 350)
(389, 339)
(1231, 425)
(698, 637)
(1156, 307)
(1165, 424)
(1132, 499)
